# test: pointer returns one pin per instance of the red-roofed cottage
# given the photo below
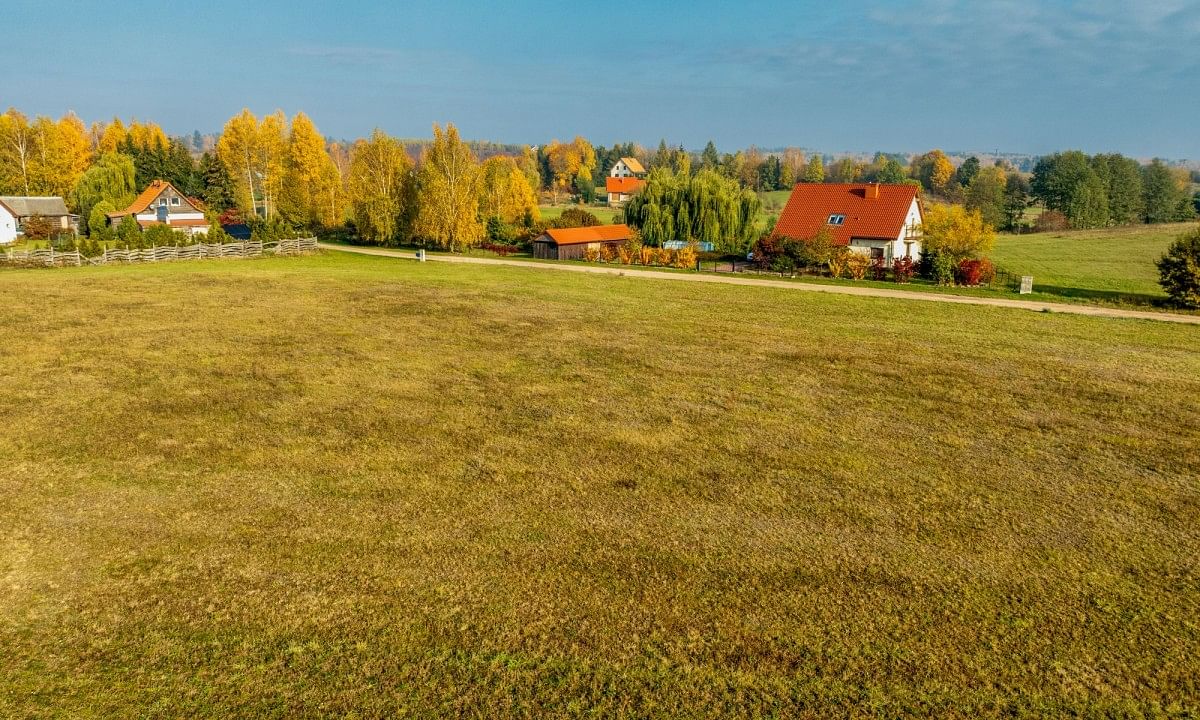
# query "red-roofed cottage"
(161, 204)
(880, 220)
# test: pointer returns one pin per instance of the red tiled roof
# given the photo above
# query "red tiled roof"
(810, 205)
(595, 233)
(624, 186)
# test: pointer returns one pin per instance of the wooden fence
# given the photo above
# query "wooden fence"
(165, 253)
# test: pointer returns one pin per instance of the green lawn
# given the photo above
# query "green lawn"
(355, 486)
(605, 214)
(1116, 263)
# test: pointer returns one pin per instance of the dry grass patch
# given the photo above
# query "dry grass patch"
(350, 485)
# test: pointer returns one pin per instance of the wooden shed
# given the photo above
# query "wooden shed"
(571, 243)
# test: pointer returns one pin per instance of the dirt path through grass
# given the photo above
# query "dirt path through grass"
(793, 285)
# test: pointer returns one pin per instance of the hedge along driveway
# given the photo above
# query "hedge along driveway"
(793, 285)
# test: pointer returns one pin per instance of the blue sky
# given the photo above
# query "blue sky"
(859, 75)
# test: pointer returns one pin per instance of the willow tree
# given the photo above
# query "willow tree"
(379, 184)
(110, 179)
(449, 193)
(705, 207)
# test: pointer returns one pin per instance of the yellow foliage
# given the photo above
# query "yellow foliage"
(567, 159)
(449, 186)
(686, 257)
(663, 257)
(858, 264)
(591, 254)
(625, 254)
(113, 136)
(838, 263)
(505, 191)
(377, 181)
(647, 255)
(956, 231)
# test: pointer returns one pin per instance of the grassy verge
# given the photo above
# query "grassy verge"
(342, 485)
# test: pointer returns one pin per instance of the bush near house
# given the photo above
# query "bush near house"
(903, 269)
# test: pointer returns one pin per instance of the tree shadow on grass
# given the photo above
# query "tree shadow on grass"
(1113, 297)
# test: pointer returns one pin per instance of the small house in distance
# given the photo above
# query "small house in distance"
(572, 243)
(161, 204)
(883, 221)
(627, 167)
(621, 189)
(15, 210)
(624, 179)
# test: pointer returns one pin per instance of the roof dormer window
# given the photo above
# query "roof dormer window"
(837, 219)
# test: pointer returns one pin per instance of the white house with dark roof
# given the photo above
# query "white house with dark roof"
(15, 210)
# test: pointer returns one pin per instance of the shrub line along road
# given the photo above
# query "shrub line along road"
(790, 285)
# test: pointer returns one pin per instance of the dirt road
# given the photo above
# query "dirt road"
(790, 285)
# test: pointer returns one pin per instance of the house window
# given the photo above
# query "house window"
(837, 219)
(174, 201)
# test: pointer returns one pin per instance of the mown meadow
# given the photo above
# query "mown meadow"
(343, 485)
(1113, 264)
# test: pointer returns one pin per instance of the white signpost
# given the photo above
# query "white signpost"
(1026, 284)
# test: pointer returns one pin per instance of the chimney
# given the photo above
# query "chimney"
(872, 192)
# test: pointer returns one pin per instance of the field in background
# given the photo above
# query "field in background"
(340, 484)
(1112, 264)
(605, 214)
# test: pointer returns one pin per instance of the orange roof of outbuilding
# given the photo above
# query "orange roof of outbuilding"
(595, 233)
(624, 185)
(871, 210)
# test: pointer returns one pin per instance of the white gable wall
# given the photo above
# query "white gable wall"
(8, 227)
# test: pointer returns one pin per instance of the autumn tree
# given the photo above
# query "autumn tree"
(505, 192)
(448, 213)
(565, 161)
(311, 189)
(254, 153)
(113, 136)
(379, 185)
(16, 153)
(955, 231)
(814, 172)
(934, 170)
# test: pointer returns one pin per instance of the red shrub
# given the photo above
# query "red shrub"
(499, 249)
(969, 272)
(987, 271)
(879, 269)
(903, 269)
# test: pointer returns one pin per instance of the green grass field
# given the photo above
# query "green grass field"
(1112, 264)
(606, 215)
(353, 486)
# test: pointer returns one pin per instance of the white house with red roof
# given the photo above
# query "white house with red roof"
(161, 204)
(883, 221)
(624, 179)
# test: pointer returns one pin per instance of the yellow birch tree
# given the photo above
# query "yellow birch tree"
(449, 193)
